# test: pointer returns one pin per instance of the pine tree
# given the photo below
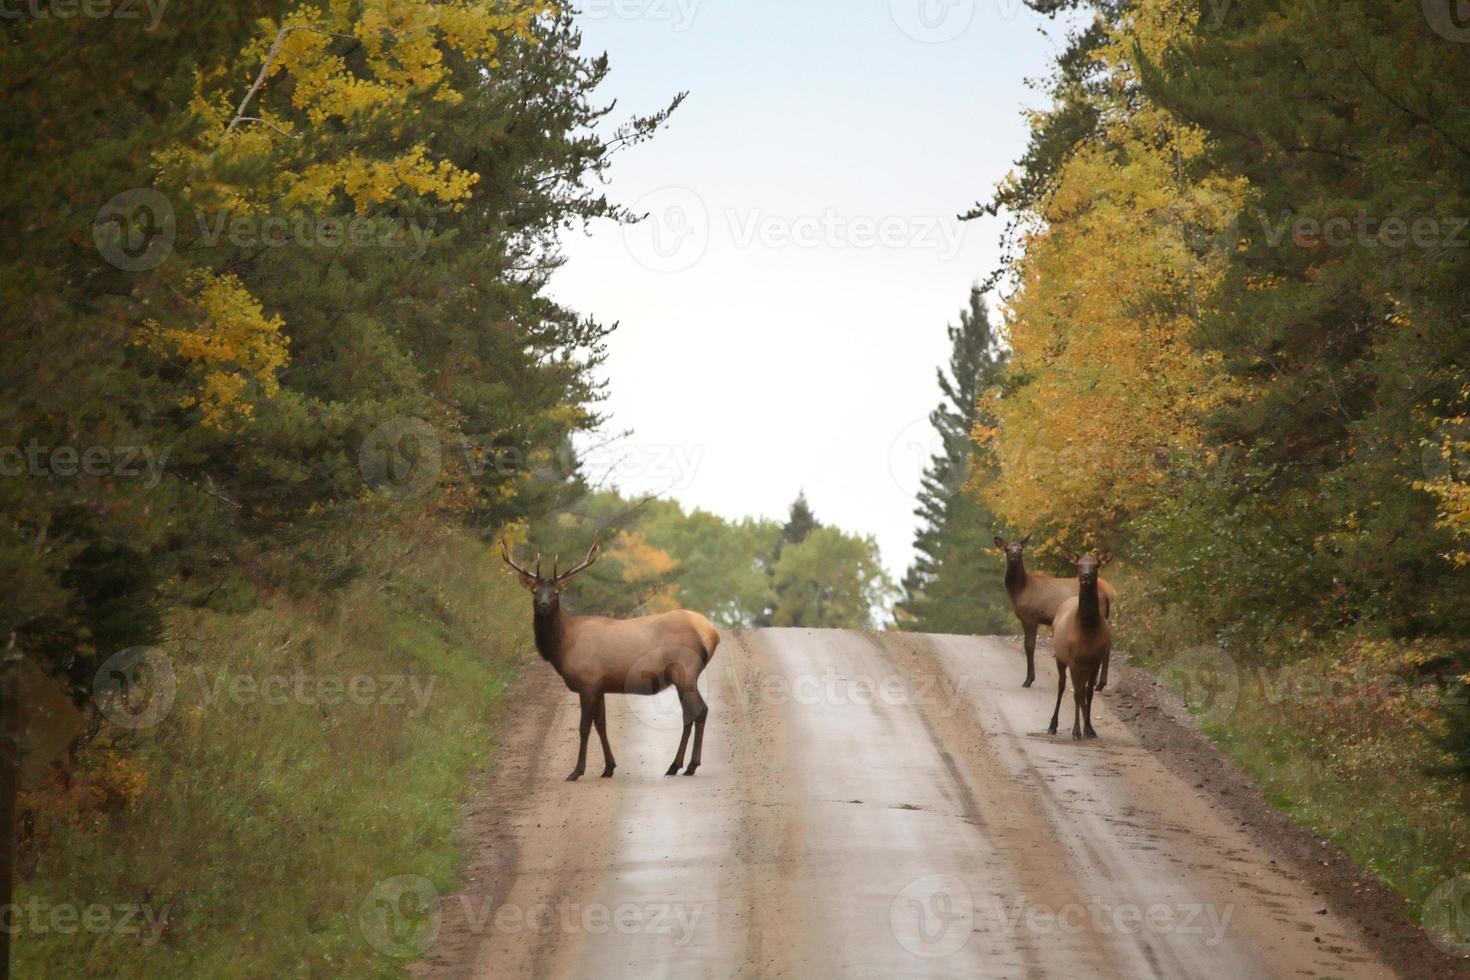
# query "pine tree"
(801, 521)
(954, 583)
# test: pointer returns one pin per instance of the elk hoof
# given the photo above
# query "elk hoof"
(607, 773)
(690, 770)
(1053, 729)
(575, 776)
(1089, 734)
(673, 770)
(1076, 735)
(1029, 682)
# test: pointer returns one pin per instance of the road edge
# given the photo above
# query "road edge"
(1161, 724)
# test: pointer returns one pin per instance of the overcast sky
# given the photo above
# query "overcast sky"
(783, 308)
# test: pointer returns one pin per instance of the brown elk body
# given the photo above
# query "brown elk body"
(1083, 642)
(597, 656)
(1035, 599)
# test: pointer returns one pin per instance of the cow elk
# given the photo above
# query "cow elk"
(1082, 641)
(1035, 600)
(597, 656)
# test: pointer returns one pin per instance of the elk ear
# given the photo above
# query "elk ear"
(1026, 540)
(1104, 558)
(1000, 542)
(1071, 556)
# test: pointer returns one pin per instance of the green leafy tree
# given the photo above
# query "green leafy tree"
(829, 580)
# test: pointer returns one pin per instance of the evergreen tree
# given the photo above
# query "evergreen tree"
(954, 585)
(801, 522)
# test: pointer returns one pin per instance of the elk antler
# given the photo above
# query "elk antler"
(591, 557)
(525, 575)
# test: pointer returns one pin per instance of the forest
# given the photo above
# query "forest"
(282, 365)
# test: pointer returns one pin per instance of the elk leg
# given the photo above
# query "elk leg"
(1030, 629)
(700, 714)
(1061, 689)
(583, 730)
(1103, 681)
(1080, 684)
(1087, 729)
(683, 739)
(599, 718)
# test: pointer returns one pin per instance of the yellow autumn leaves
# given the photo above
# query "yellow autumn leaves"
(257, 150)
(1118, 260)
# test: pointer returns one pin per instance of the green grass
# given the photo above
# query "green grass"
(1343, 742)
(260, 829)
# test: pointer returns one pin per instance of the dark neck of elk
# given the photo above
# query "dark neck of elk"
(549, 629)
(1089, 609)
(1015, 575)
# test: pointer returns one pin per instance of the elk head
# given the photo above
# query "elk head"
(1015, 550)
(1088, 565)
(546, 592)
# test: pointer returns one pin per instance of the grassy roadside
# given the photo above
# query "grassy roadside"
(314, 748)
(1343, 740)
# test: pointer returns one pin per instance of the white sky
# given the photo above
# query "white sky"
(783, 308)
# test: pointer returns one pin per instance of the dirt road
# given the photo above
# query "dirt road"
(882, 805)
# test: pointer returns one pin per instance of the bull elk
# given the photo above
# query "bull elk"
(1083, 642)
(597, 656)
(1035, 600)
